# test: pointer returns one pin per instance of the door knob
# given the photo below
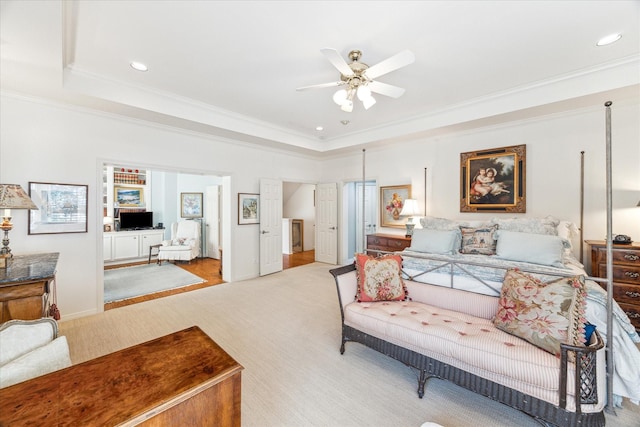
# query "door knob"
(264, 232)
(332, 228)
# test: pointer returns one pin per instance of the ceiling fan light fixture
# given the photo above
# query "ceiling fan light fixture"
(347, 106)
(364, 92)
(340, 97)
(368, 102)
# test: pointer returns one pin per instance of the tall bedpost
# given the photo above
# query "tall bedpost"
(582, 207)
(364, 185)
(425, 191)
(610, 361)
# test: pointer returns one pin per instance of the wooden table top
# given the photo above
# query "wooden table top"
(120, 386)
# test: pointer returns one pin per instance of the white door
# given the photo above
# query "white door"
(270, 226)
(369, 214)
(327, 223)
(212, 221)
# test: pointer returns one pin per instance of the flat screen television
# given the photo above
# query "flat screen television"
(136, 220)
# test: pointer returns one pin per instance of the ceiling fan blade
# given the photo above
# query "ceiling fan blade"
(386, 89)
(321, 85)
(338, 61)
(398, 60)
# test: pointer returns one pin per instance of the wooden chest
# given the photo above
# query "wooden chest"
(183, 378)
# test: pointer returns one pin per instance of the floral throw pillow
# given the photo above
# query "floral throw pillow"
(545, 314)
(379, 279)
(480, 241)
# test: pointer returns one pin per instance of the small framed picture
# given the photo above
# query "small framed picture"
(62, 208)
(191, 205)
(130, 197)
(391, 203)
(248, 208)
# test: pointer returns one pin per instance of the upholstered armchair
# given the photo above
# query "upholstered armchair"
(184, 244)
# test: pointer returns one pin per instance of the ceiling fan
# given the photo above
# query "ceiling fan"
(358, 78)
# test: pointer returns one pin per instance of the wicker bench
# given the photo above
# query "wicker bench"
(465, 348)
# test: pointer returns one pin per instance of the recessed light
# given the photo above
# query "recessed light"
(319, 128)
(609, 39)
(139, 66)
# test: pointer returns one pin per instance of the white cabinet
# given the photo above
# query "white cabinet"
(128, 245)
(106, 248)
(150, 239)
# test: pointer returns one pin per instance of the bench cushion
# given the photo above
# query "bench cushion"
(466, 342)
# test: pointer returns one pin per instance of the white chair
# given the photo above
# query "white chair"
(184, 244)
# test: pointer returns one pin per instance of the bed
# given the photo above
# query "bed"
(474, 257)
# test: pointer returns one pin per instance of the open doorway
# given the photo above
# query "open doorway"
(298, 224)
(163, 195)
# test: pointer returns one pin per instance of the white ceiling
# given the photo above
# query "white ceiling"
(230, 68)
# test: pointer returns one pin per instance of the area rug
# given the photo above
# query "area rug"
(128, 282)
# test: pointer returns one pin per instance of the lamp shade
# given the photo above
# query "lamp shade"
(12, 196)
(410, 208)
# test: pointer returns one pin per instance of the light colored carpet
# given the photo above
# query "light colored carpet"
(128, 282)
(285, 330)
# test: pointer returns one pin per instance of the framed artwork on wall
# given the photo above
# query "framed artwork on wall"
(248, 208)
(493, 180)
(391, 203)
(132, 197)
(191, 205)
(62, 208)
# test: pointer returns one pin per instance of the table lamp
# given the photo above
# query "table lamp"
(410, 209)
(12, 196)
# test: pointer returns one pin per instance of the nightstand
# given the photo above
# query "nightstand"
(387, 242)
(626, 274)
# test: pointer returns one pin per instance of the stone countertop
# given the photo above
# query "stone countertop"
(29, 267)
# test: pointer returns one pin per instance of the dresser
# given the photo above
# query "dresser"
(387, 243)
(25, 286)
(626, 274)
(181, 379)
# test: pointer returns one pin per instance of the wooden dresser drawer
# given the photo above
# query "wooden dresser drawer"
(619, 255)
(375, 240)
(633, 311)
(625, 257)
(624, 293)
(387, 242)
(622, 273)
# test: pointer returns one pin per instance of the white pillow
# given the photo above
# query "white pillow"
(530, 247)
(435, 223)
(529, 225)
(435, 241)
(21, 338)
(49, 358)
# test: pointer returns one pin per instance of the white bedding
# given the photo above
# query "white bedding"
(489, 273)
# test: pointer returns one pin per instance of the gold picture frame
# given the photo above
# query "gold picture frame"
(391, 202)
(128, 197)
(494, 180)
